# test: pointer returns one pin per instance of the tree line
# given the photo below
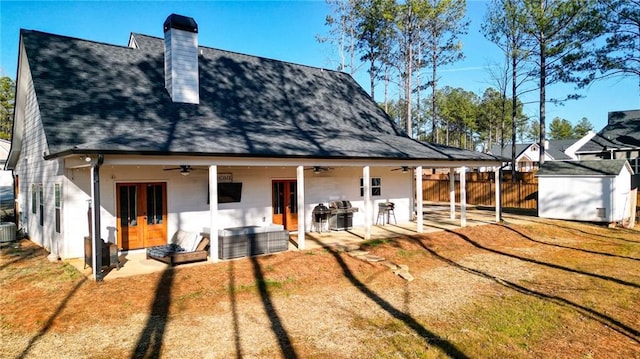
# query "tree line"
(7, 103)
(402, 44)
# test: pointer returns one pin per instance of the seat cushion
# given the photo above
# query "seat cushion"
(165, 250)
(187, 240)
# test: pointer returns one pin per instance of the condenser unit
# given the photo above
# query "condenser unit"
(7, 232)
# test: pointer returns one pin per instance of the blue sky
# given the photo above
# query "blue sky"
(283, 30)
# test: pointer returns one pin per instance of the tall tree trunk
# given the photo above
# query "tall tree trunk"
(447, 132)
(434, 105)
(514, 103)
(407, 90)
(386, 89)
(418, 78)
(372, 77)
(543, 75)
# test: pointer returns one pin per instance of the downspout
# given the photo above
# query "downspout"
(96, 238)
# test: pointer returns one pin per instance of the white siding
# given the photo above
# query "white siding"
(33, 169)
(594, 199)
(344, 184)
(76, 196)
(187, 196)
(574, 198)
(621, 189)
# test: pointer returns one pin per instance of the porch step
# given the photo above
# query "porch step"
(401, 270)
(357, 253)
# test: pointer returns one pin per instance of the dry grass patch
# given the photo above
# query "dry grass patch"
(544, 289)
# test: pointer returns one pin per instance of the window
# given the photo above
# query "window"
(376, 186)
(58, 200)
(41, 205)
(33, 198)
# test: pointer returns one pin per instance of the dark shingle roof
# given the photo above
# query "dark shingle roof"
(623, 128)
(621, 131)
(581, 168)
(554, 151)
(597, 144)
(506, 150)
(100, 97)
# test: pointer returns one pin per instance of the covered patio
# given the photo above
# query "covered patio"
(436, 217)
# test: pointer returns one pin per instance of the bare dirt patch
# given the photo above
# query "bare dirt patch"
(544, 289)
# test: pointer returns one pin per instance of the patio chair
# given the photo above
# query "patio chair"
(184, 247)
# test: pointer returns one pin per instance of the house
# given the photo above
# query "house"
(128, 144)
(528, 154)
(619, 139)
(587, 190)
(6, 185)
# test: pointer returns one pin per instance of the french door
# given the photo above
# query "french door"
(142, 214)
(285, 203)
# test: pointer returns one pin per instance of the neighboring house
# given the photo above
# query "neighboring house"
(619, 139)
(165, 134)
(587, 190)
(6, 185)
(528, 154)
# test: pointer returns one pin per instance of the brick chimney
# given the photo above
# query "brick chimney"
(181, 59)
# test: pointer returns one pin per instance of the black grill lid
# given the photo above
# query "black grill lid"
(321, 209)
(340, 204)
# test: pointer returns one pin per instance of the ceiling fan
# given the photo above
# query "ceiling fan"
(184, 169)
(404, 169)
(318, 169)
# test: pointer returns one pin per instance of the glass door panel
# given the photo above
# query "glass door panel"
(285, 203)
(142, 214)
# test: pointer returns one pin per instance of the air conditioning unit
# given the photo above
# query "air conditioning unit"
(7, 232)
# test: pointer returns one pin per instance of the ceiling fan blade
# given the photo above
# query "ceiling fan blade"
(182, 168)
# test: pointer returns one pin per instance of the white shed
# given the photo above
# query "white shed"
(590, 190)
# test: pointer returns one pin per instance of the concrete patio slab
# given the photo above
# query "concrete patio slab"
(436, 218)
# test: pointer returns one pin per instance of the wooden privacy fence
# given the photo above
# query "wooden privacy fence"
(523, 193)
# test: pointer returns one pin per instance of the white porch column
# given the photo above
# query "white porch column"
(463, 197)
(368, 207)
(96, 251)
(452, 193)
(301, 206)
(498, 195)
(419, 199)
(213, 213)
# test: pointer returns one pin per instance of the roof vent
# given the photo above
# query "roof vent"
(181, 59)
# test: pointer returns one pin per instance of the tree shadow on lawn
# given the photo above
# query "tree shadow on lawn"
(19, 252)
(566, 247)
(606, 320)
(428, 336)
(551, 265)
(234, 309)
(276, 324)
(150, 341)
(53, 316)
(561, 224)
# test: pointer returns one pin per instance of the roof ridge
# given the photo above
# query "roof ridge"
(73, 38)
(249, 55)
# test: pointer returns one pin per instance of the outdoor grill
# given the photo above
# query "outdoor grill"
(341, 215)
(320, 216)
